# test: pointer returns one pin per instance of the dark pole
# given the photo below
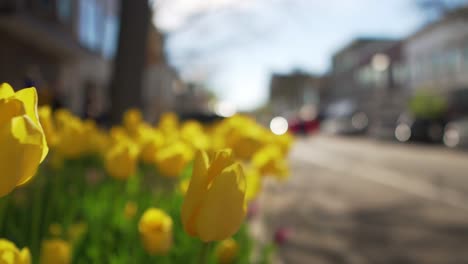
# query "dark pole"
(126, 83)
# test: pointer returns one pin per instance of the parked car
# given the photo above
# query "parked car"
(456, 133)
(344, 118)
(410, 128)
(302, 127)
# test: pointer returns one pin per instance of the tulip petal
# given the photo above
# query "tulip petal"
(20, 154)
(6, 91)
(10, 108)
(222, 159)
(196, 191)
(155, 228)
(29, 97)
(25, 256)
(223, 208)
(31, 139)
(120, 161)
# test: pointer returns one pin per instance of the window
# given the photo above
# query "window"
(87, 24)
(64, 10)
(109, 46)
(98, 26)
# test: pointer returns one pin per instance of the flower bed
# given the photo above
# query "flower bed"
(137, 193)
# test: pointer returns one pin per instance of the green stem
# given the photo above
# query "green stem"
(36, 215)
(53, 183)
(3, 210)
(204, 253)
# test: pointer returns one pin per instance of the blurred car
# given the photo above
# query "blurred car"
(456, 133)
(302, 127)
(410, 128)
(344, 118)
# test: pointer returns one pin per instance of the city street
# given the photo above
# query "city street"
(356, 200)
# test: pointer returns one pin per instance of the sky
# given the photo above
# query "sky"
(233, 46)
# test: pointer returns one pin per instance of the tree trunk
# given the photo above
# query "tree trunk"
(126, 83)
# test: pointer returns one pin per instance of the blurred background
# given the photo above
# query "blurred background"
(376, 92)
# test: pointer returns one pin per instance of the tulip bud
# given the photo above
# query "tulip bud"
(21, 135)
(227, 251)
(254, 184)
(45, 117)
(172, 159)
(55, 251)
(72, 137)
(214, 205)
(155, 228)
(131, 119)
(168, 123)
(9, 253)
(153, 142)
(121, 160)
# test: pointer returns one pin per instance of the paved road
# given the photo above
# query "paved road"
(353, 200)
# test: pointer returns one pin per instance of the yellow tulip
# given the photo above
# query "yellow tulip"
(243, 135)
(121, 160)
(254, 184)
(226, 251)
(271, 161)
(72, 136)
(118, 133)
(132, 119)
(245, 143)
(47, 122)
(55, 251)
(21, 136)
(214, 205)
(155, 228)
(168, 122)
(172, 159)
(285, 141)
(194, 130)
(153, 142)
(10, 254)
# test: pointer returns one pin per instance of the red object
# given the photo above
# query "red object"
(298, 126)
(282, 235)
(252, 210)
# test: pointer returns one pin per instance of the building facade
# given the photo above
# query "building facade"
(290, 93)
(63, 47)
(437, 55)
(350, 68)
(370, 74)
(66, 49)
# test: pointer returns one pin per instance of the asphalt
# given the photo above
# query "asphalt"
(357, 200)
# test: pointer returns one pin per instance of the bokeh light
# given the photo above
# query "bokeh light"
(279, 125)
